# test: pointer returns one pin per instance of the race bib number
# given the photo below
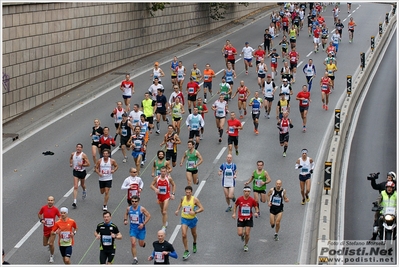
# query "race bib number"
(124, 132)
(95, 138)
(180, 76)
(220, 112)
(258, 182)
(390, 210)
(245, 211)
(159, 257)
(107, 240)
(48, 222)
(159, 105)
(206, 77)
(134, 218)
(305, 169)
(255, 110)
(229, 78)
(65, 237)
(191, 90)
(186, 209)
(305, 102)
(231, 130)
(105, 171)
(162, 190)
(276, 201)
(137, 143)
(190, 164)
(194, 127)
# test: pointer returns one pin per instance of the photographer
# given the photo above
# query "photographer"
(391, 176)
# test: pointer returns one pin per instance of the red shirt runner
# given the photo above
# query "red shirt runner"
(231, 131)
(192, 88)
(245, 207)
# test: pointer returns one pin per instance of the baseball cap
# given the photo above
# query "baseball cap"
(285, 80)
(269, 76)
(246, 43)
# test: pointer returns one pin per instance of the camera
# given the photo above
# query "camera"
(373, 176)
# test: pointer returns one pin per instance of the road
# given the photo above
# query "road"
(30, 177)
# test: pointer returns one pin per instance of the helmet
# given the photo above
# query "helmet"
(390, 184)
(392, 174)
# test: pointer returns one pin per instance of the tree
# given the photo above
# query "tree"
(157, 6)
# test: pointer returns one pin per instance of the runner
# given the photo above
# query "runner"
(304, 102)
(273, 62)
(269, 88)
(284, 46)
(293, 32)
(162, 109)
(47, 216)
(171, 139)
(245, 221)
(154, 89)
(135, 115)
(176, 94)
(233, 126)
(225, 51)
(106, 141)
(259, 179)
(286, 89)
(162, 250)
(349, 4)
(194, 159)
(310, 72)
(228, 170)
(202, 109)
(107, 232)
(339, 26)
(66, 229)
(316, 38)
(325, 84)
(195, 122)
(138, 217)
(157, 72)
(276, 196)
(192, 91)
(160, 162)
(243, 94)
(162, 185)
(191, 207)
(324, 35)
(247, 51)
(181, 72)
(267, 39)
(196, 74)
(221, 109)
(209, 74)
(149, 106)
(282, 105)
(127, 88)
(105, 168)
(144, 132)
(225, 89)
(133, 184)
(294, 58)
(259, 54)
(256, 103)
(335, 12)
(336, 39)
(231, 52)
(125, 130)
(306, 165)
(79, 161)
(262, 70)
(173, 73)
(351, 29)
(96, 132)
(283, 125)
(331, 68)
(138, 144)
(117, 115)
(230, 75)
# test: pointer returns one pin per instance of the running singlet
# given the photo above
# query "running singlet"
(229, 75)
(176, 110)
(293, 57)
(195, 122)
(325, 84)
(220, 108)
(242, 93)
(195, 73)
(261, 68)
(268, 89)
(256, 104)
(277, 198)
(180, 73)
(286, 91)
(305, 166)
(138, 141)
(259, 178)
(136, 217)
(105, 170)
(173, 67)
(76, 160)
(187, 206)
(156, 74)
(118, 115)
(191, 160)
(284, 125)
(228, 171)
(158, 166)
(163, 188)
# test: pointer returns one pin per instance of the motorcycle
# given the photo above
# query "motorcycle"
(387, 223)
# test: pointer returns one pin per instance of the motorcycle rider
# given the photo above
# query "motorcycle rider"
(388, 198)
(391, 176)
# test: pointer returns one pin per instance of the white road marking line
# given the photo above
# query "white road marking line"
(28, 234)
(198, 191)
(174, 234)
(219, 155)
(309, 54)
(299, 64)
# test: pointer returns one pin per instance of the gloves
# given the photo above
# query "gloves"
(311, 171)
(291, 125)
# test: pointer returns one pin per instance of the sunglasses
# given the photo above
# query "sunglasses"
(134, 201)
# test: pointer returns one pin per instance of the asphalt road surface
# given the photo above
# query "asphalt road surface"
(29, 177)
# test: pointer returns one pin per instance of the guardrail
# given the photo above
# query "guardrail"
(342, 121)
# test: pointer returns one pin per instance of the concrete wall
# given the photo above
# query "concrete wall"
(50, 48)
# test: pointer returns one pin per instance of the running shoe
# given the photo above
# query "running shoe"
(245, 112)
(194, 248)
(186, 254)
(241, 117)
(220, 140)
(124, 160)
(205, 101)
(303, 202)
(275, 237)
(158, 132)
(105, 207)
(304, 128)
(307, 198)
(265, 115)
(167, 120)
(243, 237)
(246, 72)
(84, 194)
(135, 261)
(201, 137)
(236, 152)
(74, 205)
(51, 260)
(163, 228)
(229, 208)
(326, 107)
(268, 116)
(284, 154)
(256, 132)
(142, 164)
(246, 248)
(234, 199)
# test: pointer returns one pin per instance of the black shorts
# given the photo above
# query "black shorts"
(208, 85)
(255, 116)
(124, 140)
(107, 255)
(105, 184)
(232, 140)
(79, 174)
(192, 98)
(260, 191)
(150, 120)
(225, 55)
(193, 133)
(332, 78)
(192, 171)
(285, 28)
(232, 61)
(351, 30)
(162, 112)
(66, 251)
(284, 137)
(126, 96)
(305, 177)
(231, 82)
(303, 108)
(244, 223)
(270, 99)
(177, 119)
(117, 125)
(276, 209)
(171, 155)
(293, 65)
(292, 41)
(284, 49)
(324, 37)
(173, 77)
(262, 76)
(95, 143)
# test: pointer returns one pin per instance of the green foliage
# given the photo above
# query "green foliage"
(157, 6)
(218, 10)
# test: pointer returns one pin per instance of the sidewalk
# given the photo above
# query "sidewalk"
(18, 128)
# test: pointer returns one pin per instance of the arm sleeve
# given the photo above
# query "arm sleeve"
(173, 254)
(124, 185)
